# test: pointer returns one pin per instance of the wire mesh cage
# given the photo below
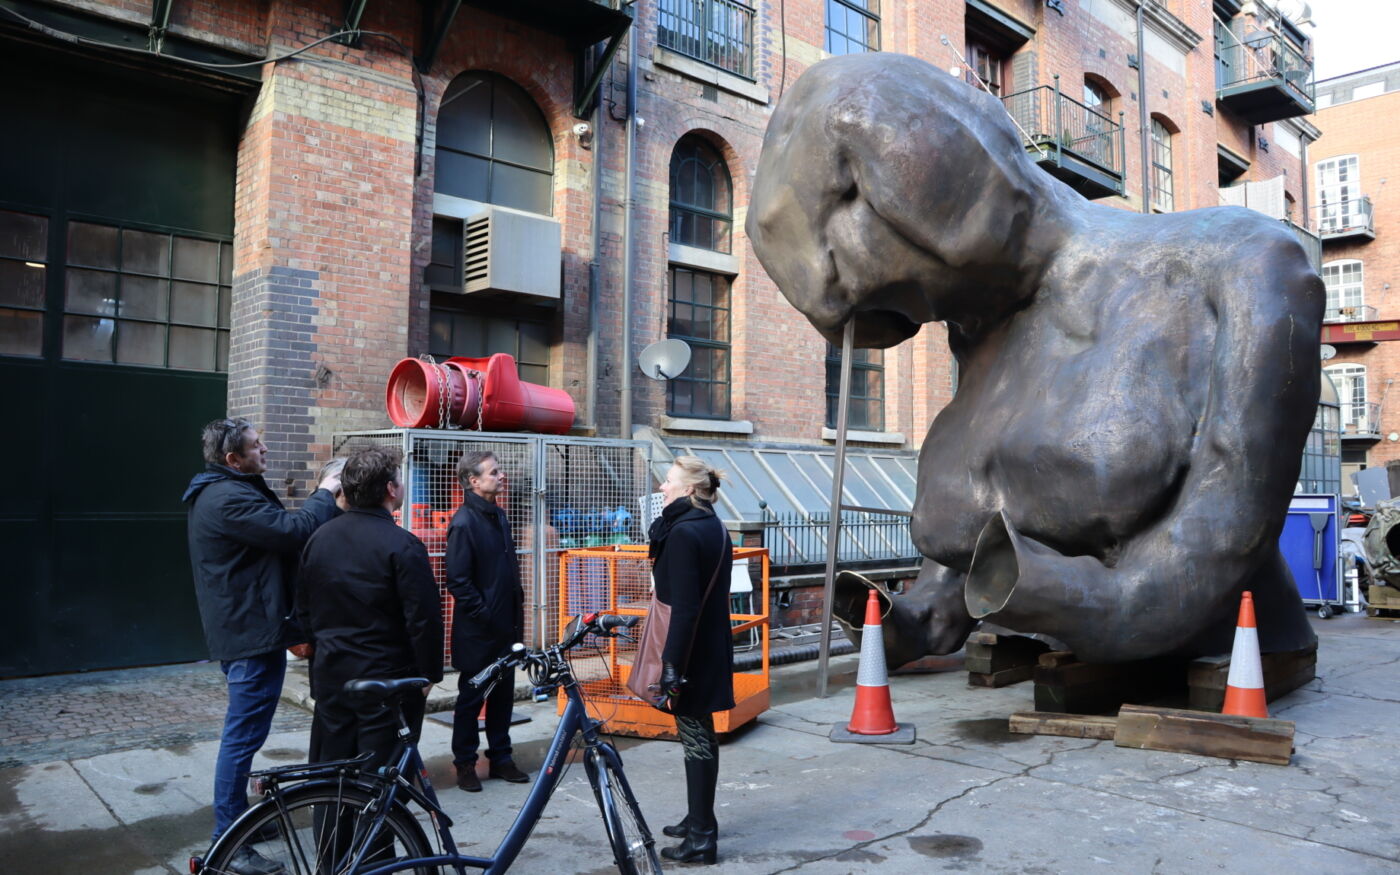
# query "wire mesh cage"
(558, 492)
(617, 579)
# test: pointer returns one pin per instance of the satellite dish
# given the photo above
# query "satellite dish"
(665, 359)
(1328, 351)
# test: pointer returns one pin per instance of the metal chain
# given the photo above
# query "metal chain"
(441, 379)
(480, 396)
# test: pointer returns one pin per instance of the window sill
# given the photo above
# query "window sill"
(702, 72)
(703, 259)
(865, 437)
(714, 426)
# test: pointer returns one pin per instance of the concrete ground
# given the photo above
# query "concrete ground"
(967, 796)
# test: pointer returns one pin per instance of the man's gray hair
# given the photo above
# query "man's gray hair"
(224, 436)
(470, 465)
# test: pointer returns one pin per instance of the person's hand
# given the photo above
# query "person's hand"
(331, 483)
(301, 651)
(670, 683)
(428, 689)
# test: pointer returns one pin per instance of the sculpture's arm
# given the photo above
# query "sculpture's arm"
(1174, 577)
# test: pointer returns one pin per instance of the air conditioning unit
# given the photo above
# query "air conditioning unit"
(507, 250)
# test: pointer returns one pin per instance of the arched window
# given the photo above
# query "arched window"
(1096, 97)
(1097, 143)
(701, 201)
(1346, 291)
(494, 145)
(1163, 197)
(1358, 417)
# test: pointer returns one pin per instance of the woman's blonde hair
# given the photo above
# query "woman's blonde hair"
(696, 472)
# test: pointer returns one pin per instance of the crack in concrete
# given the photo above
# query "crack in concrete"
(132, 834)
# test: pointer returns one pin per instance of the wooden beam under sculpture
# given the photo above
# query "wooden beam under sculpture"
(1134, 391)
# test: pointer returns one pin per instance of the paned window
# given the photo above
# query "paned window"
(986, 64)
(23, 281)
(455, 332)
(494, 145)
(149, 298)
(867, 407)
(1346, 291)
(1163, 197)
(717, 32)
(701, 199)
(1339, 193)
(852, 26)
(699, 315)
(1350, 381)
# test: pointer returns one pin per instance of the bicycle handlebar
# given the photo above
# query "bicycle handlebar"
(599, 624)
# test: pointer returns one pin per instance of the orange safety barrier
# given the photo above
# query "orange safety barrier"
(617, 579)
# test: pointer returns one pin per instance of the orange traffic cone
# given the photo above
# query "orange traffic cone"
(872, 718)
(1244, 691)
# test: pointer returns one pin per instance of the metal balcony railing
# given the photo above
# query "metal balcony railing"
(1312, 244)
(1264, 57)
(1354, 313)
(1059, 123)
(1361, 419)
(795, 540)
(716, 32)
(1345, 218)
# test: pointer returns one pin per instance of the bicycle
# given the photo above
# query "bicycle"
(336, 818)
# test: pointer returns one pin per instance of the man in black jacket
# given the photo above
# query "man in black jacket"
(243, 549)
(484, 578)
(368, 600)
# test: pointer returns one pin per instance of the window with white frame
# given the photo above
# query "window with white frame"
(1346, 295)
(1350, 380)
(1163, 196)
(1338, 192)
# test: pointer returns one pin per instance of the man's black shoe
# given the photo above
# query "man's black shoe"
(507, 770)
(247, 861)
(467, 779)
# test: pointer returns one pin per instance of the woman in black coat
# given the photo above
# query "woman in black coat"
(691, 553)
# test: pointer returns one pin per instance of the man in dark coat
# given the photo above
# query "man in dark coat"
(243, 550)
(484, 578)
(368, 600)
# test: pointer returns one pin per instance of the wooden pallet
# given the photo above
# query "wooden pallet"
(1283, 673)
(1384, 602)
(999, 660)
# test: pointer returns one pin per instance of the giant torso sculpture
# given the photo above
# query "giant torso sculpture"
(1134, 390)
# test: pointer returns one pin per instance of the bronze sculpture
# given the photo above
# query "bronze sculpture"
(1134, 390)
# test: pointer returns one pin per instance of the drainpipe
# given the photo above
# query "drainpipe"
(595, 267)
(1144, 129)
(625, 426)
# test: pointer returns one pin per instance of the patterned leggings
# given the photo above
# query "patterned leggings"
(698, 738)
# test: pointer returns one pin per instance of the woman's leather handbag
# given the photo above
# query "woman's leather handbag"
(645, 680)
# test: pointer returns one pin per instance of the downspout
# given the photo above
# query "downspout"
(625, 425)
(595, 267)
(1143, 128)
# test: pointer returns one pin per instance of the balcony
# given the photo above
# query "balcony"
(1362, 422)
(714, 32)
(1357, 313)
(1346, 219)
(1312, 244)
(1073, 143)
(1263, 79)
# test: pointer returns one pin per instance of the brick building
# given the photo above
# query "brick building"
(269, 239)
(1357, 217)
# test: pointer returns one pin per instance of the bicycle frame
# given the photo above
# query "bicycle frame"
(574, 721)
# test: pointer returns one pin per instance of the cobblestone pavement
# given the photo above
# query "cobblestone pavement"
(66, 717)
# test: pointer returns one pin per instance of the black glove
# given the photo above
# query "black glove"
(671, 682)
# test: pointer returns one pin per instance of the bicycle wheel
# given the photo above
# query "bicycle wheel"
(632, 844)
(317, 830)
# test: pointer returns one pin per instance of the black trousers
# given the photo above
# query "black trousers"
(466, 738)
(344, 727)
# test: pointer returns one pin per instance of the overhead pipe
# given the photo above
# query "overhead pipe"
(595, 266)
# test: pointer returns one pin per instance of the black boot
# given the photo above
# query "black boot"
(695, 776)
(679, 830)
(701, 838)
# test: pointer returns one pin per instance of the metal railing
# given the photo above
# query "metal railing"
(1312, 244)
(716, 32)
(1060, 123)
(1354, 313)
(795, 540)
(1363, 418)
(1345, 217)
(1261, 57)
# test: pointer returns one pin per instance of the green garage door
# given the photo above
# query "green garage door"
(116, 216)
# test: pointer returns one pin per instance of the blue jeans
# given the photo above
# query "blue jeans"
(254, 685)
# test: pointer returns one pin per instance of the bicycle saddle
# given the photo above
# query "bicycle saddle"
(384, 689)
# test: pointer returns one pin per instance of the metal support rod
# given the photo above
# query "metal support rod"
(838, 483)
(1143, 127)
